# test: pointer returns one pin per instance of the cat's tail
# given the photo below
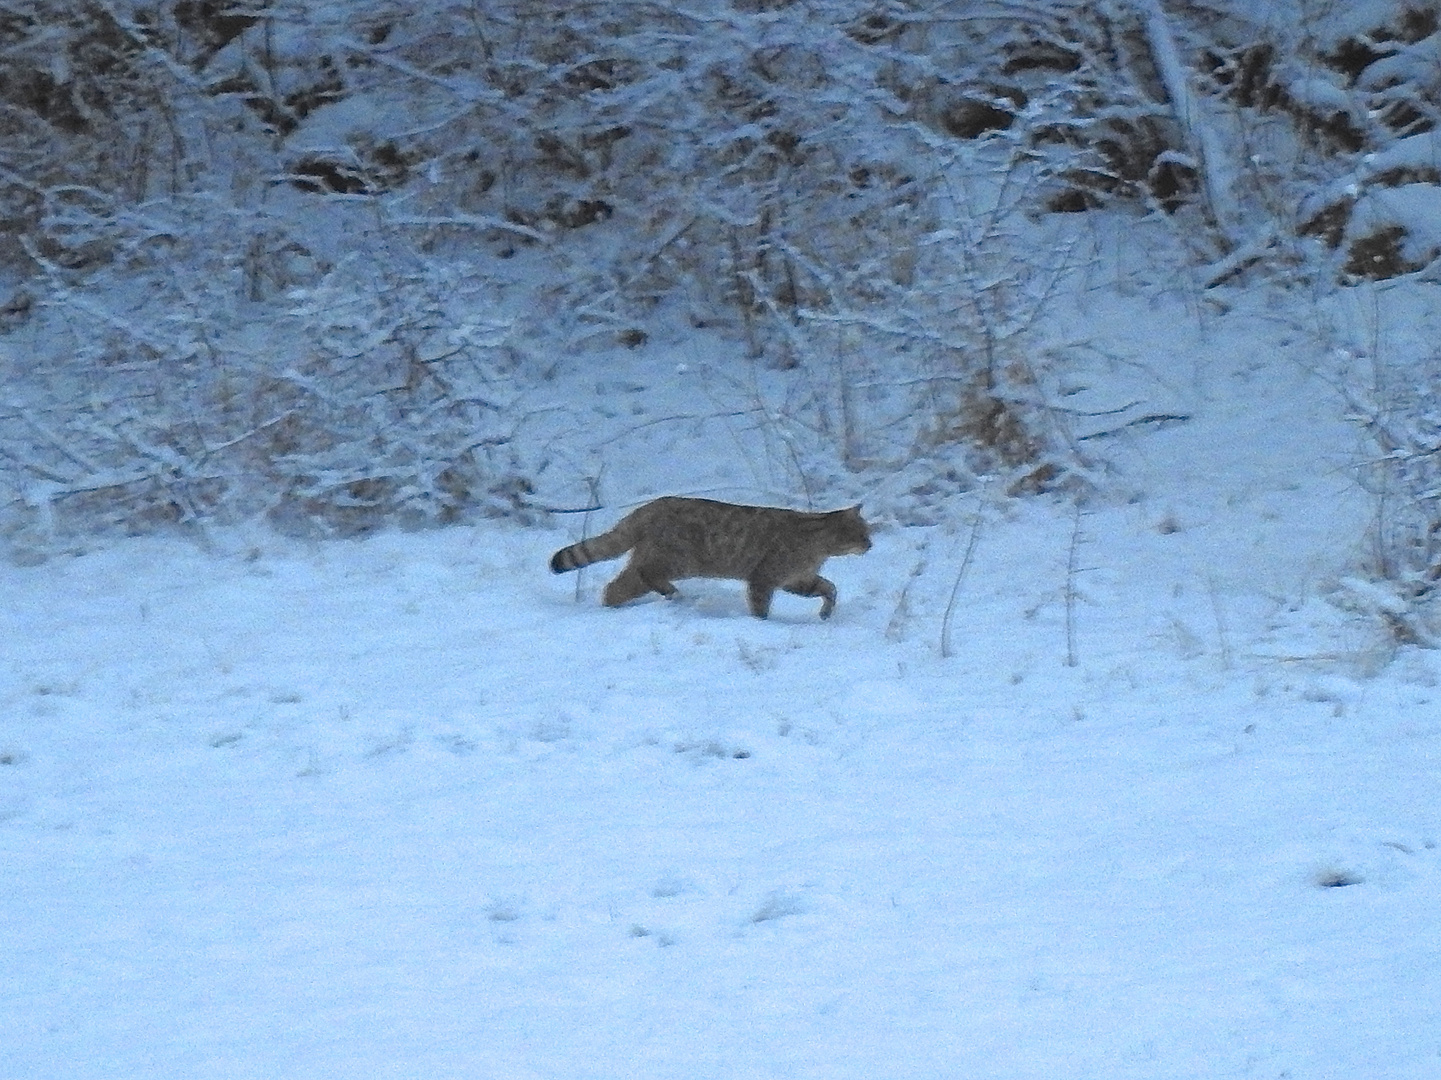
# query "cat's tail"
(608, 545)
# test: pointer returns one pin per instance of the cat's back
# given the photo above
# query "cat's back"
(703, 537)
(703, 532)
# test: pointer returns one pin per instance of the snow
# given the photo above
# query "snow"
(1415, 208)
(1418, 60)
(1354, 19)
(1320, 93)
(408, 807)
(1417, 153)
(1138, 778)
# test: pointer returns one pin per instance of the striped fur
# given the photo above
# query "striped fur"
(767, 547)
(611, 545)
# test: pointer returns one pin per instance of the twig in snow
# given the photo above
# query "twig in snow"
(1071, 659)
(1149, 418)
(956, 585)
(896, 628)
(592, 482)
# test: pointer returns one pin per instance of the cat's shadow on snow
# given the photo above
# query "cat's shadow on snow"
(714, 602)
(711, 605)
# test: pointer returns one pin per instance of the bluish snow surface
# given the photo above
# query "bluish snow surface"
(406, 807)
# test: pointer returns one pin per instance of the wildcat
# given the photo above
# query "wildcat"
(765, 546)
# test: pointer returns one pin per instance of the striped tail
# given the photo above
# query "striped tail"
(609, 545)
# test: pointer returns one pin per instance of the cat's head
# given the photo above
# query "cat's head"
(853, 535)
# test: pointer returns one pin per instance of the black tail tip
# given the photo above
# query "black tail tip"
(557, 566)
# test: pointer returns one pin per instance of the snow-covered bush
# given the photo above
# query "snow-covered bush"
(378, 396)
(250, 221)
(1398, 406)
(209, 328)
(1335, 129)
(194, 190)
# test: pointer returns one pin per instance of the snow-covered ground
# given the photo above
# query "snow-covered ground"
(408, 807)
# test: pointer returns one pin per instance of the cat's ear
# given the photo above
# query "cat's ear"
(854, 511)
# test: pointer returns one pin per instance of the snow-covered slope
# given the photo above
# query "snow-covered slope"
(410, 807)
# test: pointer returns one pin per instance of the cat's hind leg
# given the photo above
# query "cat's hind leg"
(631, 583)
